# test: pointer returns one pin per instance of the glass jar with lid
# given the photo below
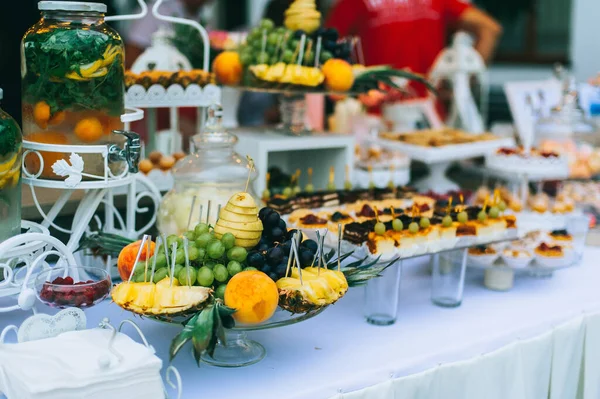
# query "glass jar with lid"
(206, 179)
(566, 122)
(72, 69)
(10, 176)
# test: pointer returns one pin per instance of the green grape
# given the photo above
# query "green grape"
(347, 185)
(296, 190)
(173, 238)
(288, 56)
(273, 39)
(462, 217)
(180, 257)
(249, 268)
(502, 206)
(257, 46)
(266, 194)
(274, 60)
(234, 267)
(203, 240)
(238, 254)
(246, 58)
(187, 276)
(481, 216)
(215, 249)
(371, 185)
(266, 24)
(413, 228)
(424, 223)
(201, 253)
(331, 186)
(287, 192)
(309, 188)
(200, 229)
(447, 221)
(140, 267)
(161, 260)
(139, 278)
(282, 30)
(221, 273)
(176, 271)
(160, 274)
(263, 58)
(494, 212)
(254, 34)
(193, 253)
(210, 264)
(220, 291)
(379, 228)
(190, 235)
(228, 240)
(293, 44)
(325, 56)
(205, 276)
(397, 225)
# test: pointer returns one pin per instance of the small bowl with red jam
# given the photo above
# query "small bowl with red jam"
(64, 287)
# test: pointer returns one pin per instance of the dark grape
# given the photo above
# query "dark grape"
(290, 234)
(310, 244)
(273, 220)
(273, 276)
(277, 234)
(275, 256)
(285, 259)
(280, 269)
(331, 34)
(285, 247)
(263, 247)
(282, 225)
(266, 269)
(306, 257)
(320, 32)
(330, 45)
(298, 34)
(265, 240)
(255, 259)
(264, 212)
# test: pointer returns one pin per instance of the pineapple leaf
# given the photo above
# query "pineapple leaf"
(358, 275)
(342, 258)
(329, 255)
(199, 329)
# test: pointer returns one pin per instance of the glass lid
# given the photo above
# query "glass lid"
(214, 159)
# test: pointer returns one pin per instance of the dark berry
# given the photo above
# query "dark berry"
(266, 269)
(285, 247)
(332, 34)
(282, 225)
(277, 234)
(310, 244)
(262, 247)
(264, 212)
(298, 34)
(306, 257)
(275, 256)
(255, 259)
(290, 234)
(272, 220)
(68, 280)
(273, 276)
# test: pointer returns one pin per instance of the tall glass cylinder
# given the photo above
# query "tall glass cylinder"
(448, 278)
(382, 295)
(10, 176)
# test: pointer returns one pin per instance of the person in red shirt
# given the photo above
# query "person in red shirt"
(411, 33)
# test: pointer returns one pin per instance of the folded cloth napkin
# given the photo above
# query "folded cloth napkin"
(80, 364)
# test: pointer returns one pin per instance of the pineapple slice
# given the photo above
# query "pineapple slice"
(160, 298)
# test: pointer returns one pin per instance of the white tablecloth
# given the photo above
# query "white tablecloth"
(542, 336)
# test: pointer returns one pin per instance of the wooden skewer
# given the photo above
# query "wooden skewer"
(250, 169)
(137, 258)
(208, 211)
(146, 260)
(173, 256)
(191, 212)
(318, 51)
(187, 260)
(156, 248)
(339, 246)
(200, 216)
(218, 212)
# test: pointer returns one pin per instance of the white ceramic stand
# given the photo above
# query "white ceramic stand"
(437, 180)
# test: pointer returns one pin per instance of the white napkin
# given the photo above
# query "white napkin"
(79, 364)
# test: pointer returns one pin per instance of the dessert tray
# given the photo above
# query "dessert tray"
(509, 163)
(442, 145)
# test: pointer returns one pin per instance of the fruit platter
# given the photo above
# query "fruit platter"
(302, 57)
(247, 272)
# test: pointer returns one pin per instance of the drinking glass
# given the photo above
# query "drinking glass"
(448, 278)
(382, 295)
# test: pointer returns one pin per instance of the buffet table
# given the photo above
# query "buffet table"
(519, 344)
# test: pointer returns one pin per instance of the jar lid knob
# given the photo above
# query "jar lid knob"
(215, 115)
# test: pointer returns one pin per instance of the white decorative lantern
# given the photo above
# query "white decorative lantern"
(161, 56)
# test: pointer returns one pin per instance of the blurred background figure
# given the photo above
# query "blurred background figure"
(411, 33)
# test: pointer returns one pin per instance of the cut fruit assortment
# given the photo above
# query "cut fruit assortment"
(239, 271)
(304, 56)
